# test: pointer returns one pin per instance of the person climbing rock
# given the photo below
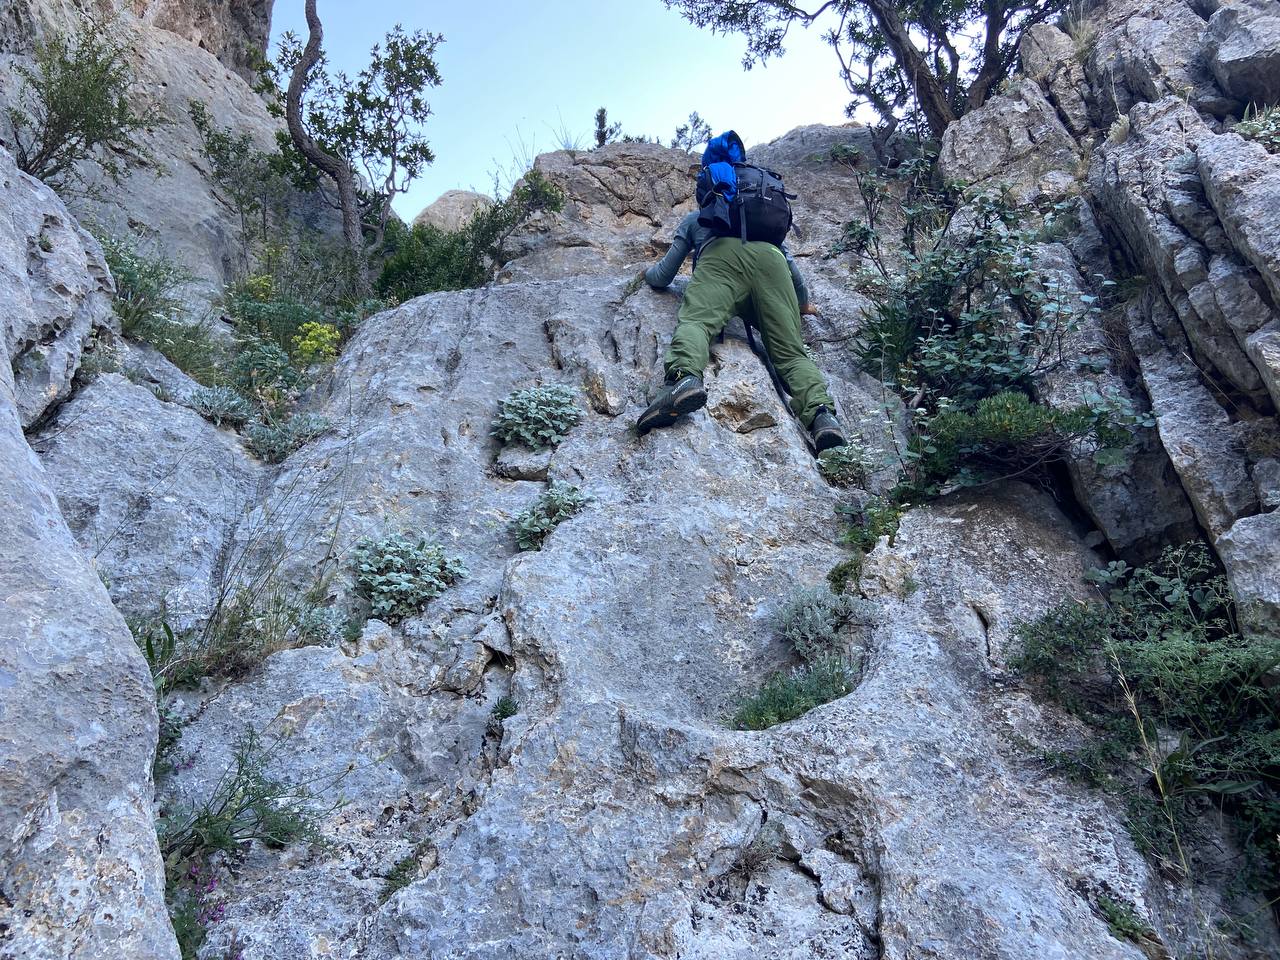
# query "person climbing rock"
(755, 279)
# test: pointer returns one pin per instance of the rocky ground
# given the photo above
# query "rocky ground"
(613, 814)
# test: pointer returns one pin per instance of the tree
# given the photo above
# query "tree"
(363, 128)
(693, 134)
(73, 105)
(606, 132)
(938, 58)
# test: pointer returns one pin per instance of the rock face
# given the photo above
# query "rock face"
(452, 209)
(80, 872)
(58, 291)
(182, 51)
(537, 763)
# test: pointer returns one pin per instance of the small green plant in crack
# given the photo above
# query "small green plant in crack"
(846, 466)
(876, 518)
(221, 406)
(503, 710)
(558, 504)
(401, 874)
(1261, 125)
(538, 417)
(845, 572)
(400, 574)
(1123, 922)
(792, 693)
(813, 621)
(762, 850)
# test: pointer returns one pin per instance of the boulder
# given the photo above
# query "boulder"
(1243, 50)
(152, 493)
(57, 291)
(1250, 552)
(452, 209)
(1016, 140)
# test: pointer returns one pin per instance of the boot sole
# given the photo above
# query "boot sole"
(681, 404)
(828, 440)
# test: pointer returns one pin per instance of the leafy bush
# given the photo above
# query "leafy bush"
(322, 626)
(537, 416)
(400, 574)
(150, 309)
(316, 343)
(790, 694)
(261, 367)
(558, 504)
(73, 105)
(1261, 124)
(221, 405)
(876, 518)
(1164, 653)
(262, 312)
(813, 621)
(425, 259)
(846, 466)
(273, 442)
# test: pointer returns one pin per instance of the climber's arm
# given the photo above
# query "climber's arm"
(802, 292)
(664, 271)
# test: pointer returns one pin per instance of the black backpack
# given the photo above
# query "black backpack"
(743, 200)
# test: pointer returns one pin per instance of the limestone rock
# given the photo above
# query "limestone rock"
(1015, 139)
(1244, 50)
(452, 209)
(234, 31)
(1053, 60)
(80, 871)
(56, 291)
(151, 492)
(810, 145)
(1250, 552)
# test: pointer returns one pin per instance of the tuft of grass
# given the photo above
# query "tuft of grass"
(503, 710)
(792, 693)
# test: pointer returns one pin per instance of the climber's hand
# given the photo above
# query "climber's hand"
(809, 310)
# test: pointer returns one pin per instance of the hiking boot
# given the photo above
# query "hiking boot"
(826, 431)
(683, 393)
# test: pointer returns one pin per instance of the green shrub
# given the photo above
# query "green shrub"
(1123, 922)
(73, 104)
(503, 710)
(273, 442)
(221, 405)
(1262, 125)
(814, 621)
(263, 366)
(425, 259)
(559, 503)
(876, 518)
(400, 574)
(790, 694)
(1164, 647)
(537, 416)
(846, 466)
(323, 626)
(402, 873)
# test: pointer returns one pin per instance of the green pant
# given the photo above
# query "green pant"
(750, 280)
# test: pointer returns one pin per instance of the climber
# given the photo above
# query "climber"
(754, 279)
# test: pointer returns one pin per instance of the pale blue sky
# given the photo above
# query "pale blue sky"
(515, 72)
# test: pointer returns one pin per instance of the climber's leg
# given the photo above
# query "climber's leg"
(718, 284)
(778, 311)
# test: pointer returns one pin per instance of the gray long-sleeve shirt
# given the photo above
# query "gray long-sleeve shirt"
(690, 236)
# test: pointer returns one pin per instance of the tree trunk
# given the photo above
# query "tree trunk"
(336, 168)
(933, 99)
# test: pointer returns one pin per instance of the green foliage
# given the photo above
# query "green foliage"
(790, 694)
(1123, 922)
(538, 417)
(846, 466)
(606, 132)
(73, 105)
(399, 574)
(316, 343)
(372, 121)
(150, 309)
(273, 442)
(222, 406)
(322, 626)
(876, 518)
(401, 874)
(261, 367)
(558, 504)
(1262, 125)
(692, 134)
(425, 259)
(936, 59)
(814, 621)
(1165, 648)
(503, 710)
(845, 572)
